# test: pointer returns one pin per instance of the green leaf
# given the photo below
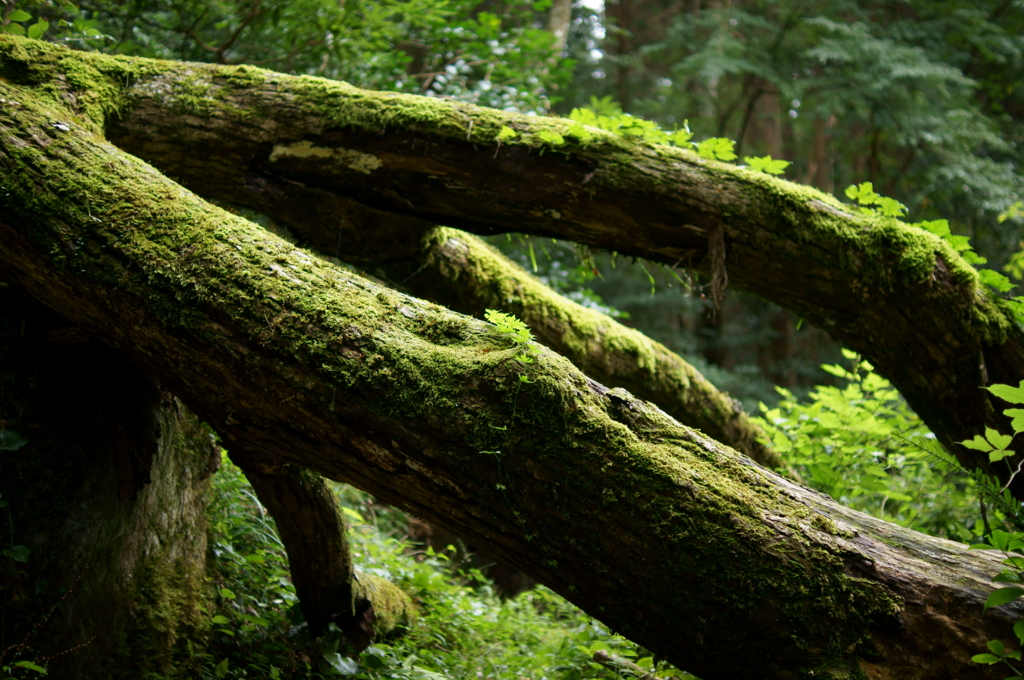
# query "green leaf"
(978, 444)
(1000, 539)
(31, 666)
(837, 371)
(890, 207)
(220, 620)
(353, 515)
(550, 137)
(37, 29)
(18, 553)
(997, 281)
(999, 441)
(717, 148)
(998, 454)
(11, 440)
(985, 658)
(681, 137)
(1014, 395)
(14, 29)
(996, 647)
(766, 164)
(581, 133)
(938, 227)
(505, 134)
(1018, 419)
(341, 664)
(605, 106)
(227, 594)
(1002, 596)
(584, 116)
(1006, 576)
(509, 325)
(19, 15)
(863, 193)
(1018, 630)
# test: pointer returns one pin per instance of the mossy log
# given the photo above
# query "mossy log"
(899, 295)
(452, 268)
(682, 544)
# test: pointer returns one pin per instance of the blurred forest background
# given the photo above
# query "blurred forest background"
(919, 97)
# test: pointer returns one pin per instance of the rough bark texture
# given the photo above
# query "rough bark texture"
(461, 272)
(682, 544)
(115, 581)
(899, 295)
(313, 532)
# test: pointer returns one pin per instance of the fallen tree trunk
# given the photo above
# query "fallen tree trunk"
(673, 540)
(457, 271)
(898, 295)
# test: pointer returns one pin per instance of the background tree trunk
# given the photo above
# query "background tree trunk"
(675, 541)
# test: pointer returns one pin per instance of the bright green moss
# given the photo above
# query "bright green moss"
(392, 606)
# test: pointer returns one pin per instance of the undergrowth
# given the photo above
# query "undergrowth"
(864, 446)
(464, 630)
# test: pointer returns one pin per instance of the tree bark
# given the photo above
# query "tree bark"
(314, 535)
(109, 495)
(673, 540)
(898, 295)
(559, 22)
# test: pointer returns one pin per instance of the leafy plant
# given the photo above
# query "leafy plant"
(862, 445)
(464, 629)
(864, 194)
(516, 331)
(717, 149)
(1011, 544)
(766, 164)
(871, 203)
(1012, 547)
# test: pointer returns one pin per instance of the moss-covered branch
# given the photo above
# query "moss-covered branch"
(899, 295)
(461, 272)
(670, 538)
(457, 271)
(314, 534)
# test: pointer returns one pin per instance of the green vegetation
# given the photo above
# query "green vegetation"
(464, 630)
(862, 445)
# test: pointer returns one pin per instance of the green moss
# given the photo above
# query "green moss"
(879, 250)
(392, 607)
(169, 623)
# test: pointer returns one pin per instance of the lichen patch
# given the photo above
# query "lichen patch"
(354, 160)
